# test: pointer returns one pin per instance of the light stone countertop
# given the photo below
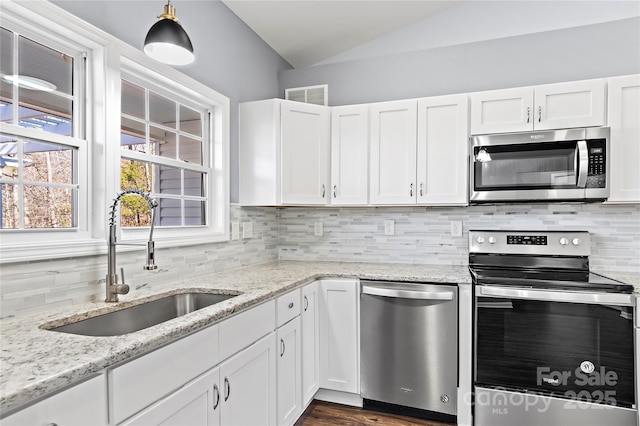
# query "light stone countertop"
(35, 362)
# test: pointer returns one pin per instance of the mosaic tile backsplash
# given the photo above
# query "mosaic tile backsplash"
(422, 236)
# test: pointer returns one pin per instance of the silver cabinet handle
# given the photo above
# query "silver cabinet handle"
(335, 187)
(411, 189)
(282, 347)
(306, 303)
(227, 389)
(539, 113)
(421, 185)
(528, 115)
(216, 391)
(323, 190)
(582, 164)
(407, 294)
(290, 305)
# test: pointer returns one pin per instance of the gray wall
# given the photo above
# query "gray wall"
(230, 57)
(592, 51)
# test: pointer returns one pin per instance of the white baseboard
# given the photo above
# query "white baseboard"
(345, 398)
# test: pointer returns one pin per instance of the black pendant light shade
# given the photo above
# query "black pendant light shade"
(167, 41)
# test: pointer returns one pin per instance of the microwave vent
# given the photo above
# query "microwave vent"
(317, 95)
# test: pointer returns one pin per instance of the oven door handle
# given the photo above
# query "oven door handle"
(582, 164)
(407, 294)
(557, 296)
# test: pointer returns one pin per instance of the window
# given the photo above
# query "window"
(165, 151)
(40, 149)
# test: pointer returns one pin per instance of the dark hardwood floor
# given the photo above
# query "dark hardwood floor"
(321, 413)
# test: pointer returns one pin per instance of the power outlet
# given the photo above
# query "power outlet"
(456, 228)
(318, 229)
(247, 230)
(389, 227)
(235, 230)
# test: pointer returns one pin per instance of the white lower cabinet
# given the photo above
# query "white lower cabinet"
(289, 371)
(339, 340)
(83, 405)
(310, 341)
(248, 385)
(197, 403)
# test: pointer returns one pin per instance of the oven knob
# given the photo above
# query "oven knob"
(480, 240)
(492, 240)
(564, 241)
(576, 241)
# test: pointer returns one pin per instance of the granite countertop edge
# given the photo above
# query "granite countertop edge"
(36, 362)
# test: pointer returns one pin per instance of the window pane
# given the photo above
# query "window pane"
(134, 211)
(132, 100)
(10, 206)
(194, 212)
(132, 135)
(48, 207)
(194, 183)
(46, 111)
(45, 162)
(9, 157)
(6, 68)
(170, 180)
(190, 150)
(190, 121)
(169, 212)
(162, 110)
(162, 143)
(36, 60)
(136, 175)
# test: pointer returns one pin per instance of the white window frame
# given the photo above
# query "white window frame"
(45, 22)
(136, 68)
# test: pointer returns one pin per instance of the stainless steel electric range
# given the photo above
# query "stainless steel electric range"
(553, 342)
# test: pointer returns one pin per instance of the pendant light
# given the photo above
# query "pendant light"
(167, 41)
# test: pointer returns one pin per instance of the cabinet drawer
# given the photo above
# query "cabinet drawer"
(84, 404)
(242, 330)
(144, 380)
(288, 307)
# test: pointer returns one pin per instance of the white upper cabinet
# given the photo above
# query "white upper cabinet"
(551, 106)
(624, 113)
(393, 153)
(349, 155)
(443, 132)
(284, 153)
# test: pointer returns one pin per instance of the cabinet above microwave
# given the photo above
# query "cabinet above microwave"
(547, 107)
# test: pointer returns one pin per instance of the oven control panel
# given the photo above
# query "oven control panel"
(570, 243)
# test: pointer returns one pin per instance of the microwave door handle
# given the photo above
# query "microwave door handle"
(582, 164)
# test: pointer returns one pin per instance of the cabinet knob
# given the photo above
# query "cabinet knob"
(539, 113)
(335, 187)
(323, 191)
(282, 347)
(528, 115)
(306, 303)
(421, 186)
(290, 305)
(411, 189)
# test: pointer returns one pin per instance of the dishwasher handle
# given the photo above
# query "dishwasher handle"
(401, 293)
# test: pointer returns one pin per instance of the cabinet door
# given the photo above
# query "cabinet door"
(248, 385)
(443, 131)
(349, 155)
(83, 404)
(310, 342)
(289, 371)
(305, 153)
(339, 340)
(197, 403)
(498, 111)
(624, 110)
(393, 153)
(565, 105)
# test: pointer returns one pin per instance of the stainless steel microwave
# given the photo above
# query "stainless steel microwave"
(556, 165)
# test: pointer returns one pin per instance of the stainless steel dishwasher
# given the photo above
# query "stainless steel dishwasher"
(409, 347)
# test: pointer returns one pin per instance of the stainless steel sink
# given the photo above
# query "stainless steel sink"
(144, 315)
